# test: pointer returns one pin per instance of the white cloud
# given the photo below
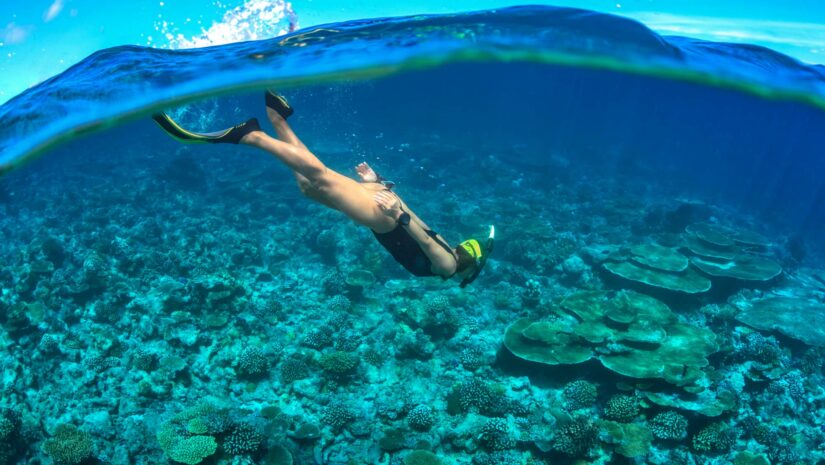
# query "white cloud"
(14, 34)
(794, 38)
(54, 10)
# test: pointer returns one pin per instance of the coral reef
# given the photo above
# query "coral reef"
(210, 321)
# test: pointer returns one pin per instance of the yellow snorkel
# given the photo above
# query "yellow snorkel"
(479, 254)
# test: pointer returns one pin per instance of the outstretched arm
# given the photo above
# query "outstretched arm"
(443, 262)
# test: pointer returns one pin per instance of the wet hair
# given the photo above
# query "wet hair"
(465, 260)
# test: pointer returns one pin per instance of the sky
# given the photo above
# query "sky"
(41, 38)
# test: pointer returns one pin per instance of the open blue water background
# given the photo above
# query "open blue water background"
(568, 130)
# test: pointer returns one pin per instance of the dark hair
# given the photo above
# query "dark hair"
(465, 260)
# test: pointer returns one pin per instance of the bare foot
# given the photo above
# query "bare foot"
(366, 173)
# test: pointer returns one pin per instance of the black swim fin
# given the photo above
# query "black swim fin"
(232, 135)
(279, 104)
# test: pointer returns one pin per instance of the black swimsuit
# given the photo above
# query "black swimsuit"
(406, 251)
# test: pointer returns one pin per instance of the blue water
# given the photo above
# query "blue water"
(143, 277)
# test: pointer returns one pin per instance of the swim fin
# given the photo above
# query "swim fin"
(278, 104)
(232, 135)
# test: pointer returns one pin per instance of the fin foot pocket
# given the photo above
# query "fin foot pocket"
(279, 104)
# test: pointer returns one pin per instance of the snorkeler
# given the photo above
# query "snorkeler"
(371, 202)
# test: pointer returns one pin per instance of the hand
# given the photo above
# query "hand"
(366, 173)
(389, 203)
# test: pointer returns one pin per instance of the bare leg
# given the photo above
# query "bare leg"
(317, 181)
(284, 131)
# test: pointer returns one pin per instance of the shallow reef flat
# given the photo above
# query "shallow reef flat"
(188, 313)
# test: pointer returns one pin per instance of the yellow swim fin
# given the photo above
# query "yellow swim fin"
(232, 135)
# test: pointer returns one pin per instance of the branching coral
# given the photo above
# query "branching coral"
(420, 418)
(337, 416)
(495, 435)
(622, 408)
(339, 364)
(243, 438)
(252, 362)
(714, 437)
(669, 425)
(575, 438)
(579, 394)
(293, 369)
(68, 445)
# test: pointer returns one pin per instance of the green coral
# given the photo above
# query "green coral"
(744, 267)
(629, 333)
(197, 426)
(475, 394)
(7, 427)
(252, 362)
(669, 425)
(495, 435)
(68, 445)
(420, 418)
(579, 394)
(339, 363)
(243, 438)
(716, 437)
(278, 455)
(337, 416)
(723, 253)
(12, 444)
(392, 440)
(795, 315)
(749, 458)
(421, 457)
(622, 408)
(293, 369)
(189, 450)
(576, 437)
(630, 439)
(193, 450)
(189, 437)
(659, 257)
(657, 266)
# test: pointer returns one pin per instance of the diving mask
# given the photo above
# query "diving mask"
(480, 255)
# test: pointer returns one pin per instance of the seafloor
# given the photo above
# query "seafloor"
(177, 309)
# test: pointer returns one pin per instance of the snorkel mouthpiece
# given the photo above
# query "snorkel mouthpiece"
(480, 254)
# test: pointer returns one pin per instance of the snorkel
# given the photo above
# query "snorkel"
(481, 255)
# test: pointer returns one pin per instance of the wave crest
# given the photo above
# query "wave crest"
(254, 20)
